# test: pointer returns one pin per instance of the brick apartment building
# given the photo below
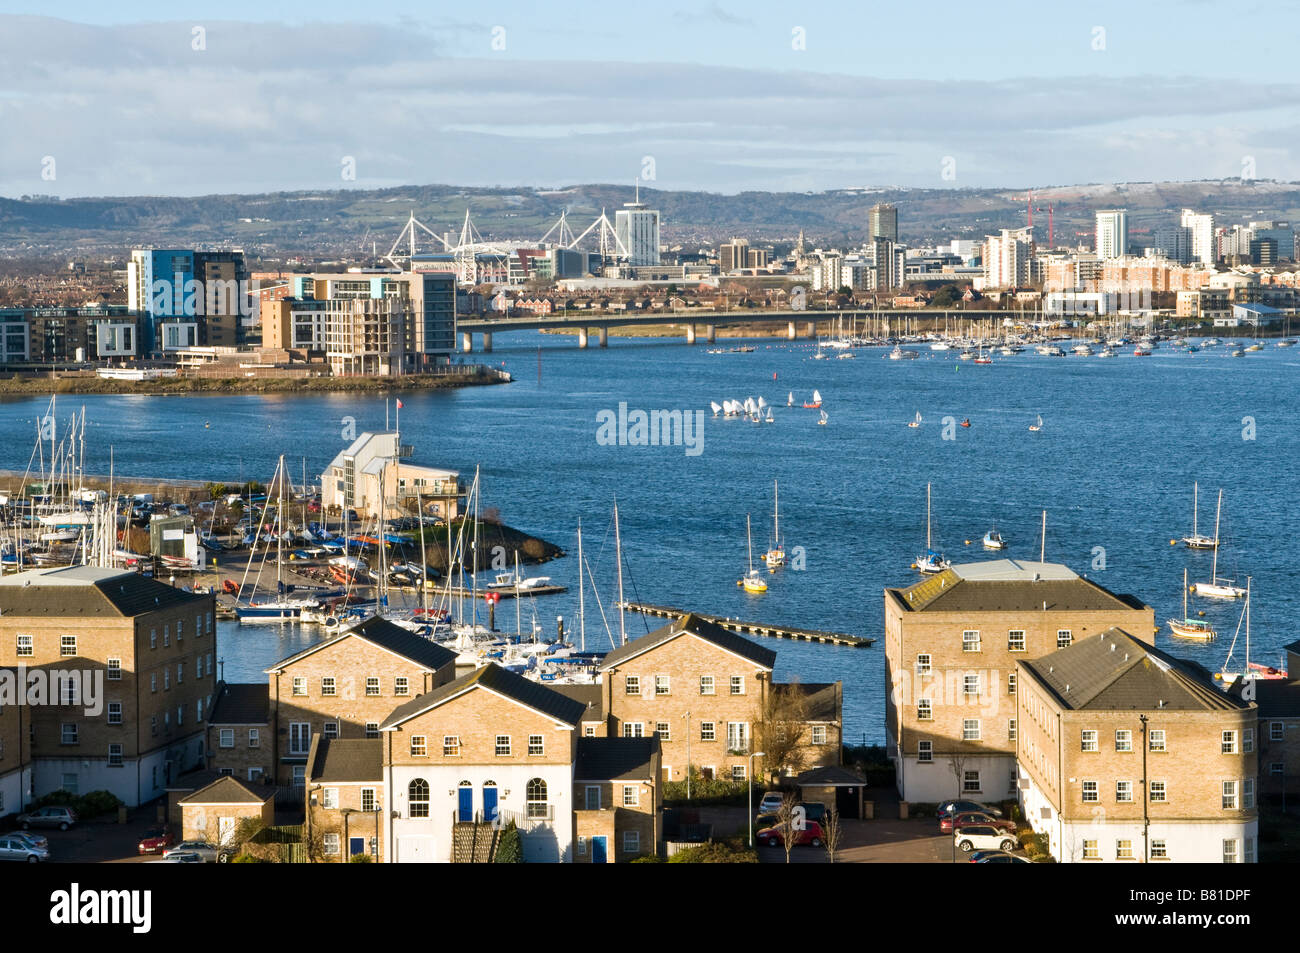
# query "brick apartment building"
(142, 652)
(952, 644)
(1127, 755)
(1278, 731)
(692, 679)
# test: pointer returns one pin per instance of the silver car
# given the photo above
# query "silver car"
(12, 848)
(32, 840)
(60, 817)
(208, 853)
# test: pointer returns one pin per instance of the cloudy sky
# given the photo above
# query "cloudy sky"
(724, 96)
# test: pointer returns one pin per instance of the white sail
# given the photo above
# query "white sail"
(716, 407)
(789, 401)
(817, 397)
(761, 403)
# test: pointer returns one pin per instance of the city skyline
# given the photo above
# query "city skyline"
(242, 104)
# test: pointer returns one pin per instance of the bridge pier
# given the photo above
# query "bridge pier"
(582, 339)
(487, 342)
(604, 336)
(466, 341)
(790, 331)
(710, 333)
(812, 329)
(690, 334)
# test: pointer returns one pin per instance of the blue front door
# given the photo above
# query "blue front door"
(466, 804)
(490, 803)
(356, 845)
(598, 850)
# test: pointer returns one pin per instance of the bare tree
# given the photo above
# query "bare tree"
(832, 833)
(784, 728)
(790, 823)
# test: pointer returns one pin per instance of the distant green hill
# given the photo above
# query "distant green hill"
(346, 221)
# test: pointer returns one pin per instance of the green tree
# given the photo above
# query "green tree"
(510, 850)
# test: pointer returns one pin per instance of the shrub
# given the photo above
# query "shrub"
(647, 859)
(361, 859)
(705, 791)
(89, 805)
(248, 859)
(718, 852)
(510, 849)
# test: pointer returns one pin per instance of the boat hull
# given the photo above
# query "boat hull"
(1192, 629)
(1217, 591)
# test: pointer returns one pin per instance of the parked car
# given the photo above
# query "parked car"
(179, 857)
(810, 835)
(155, 841)
(14, 848)
(34, 840)
(60, 817)
(997, 857)
(771, 802)
(983, 837)
(960, 807)
(207, 853)
(968, 818)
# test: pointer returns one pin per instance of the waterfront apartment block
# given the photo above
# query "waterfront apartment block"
(1129, 755)
(346, 687)
(375, 467)
(188, 298)
(952, 644)
(491, 746)
(381, 323)
(707, 695)
(129, 666)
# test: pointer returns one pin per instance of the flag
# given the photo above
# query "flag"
(399, 405)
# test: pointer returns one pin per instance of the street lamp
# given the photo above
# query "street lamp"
(688, 756)
(750, 779)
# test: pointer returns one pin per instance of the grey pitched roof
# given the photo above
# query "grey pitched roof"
(225, 790)
(1275, 698)
(243, 703)
(89, 591)
(592, 697)
(1008, 585)
(615, 759)
(1113, 671)
(822, 701)
(346, 759)
(709, 631)
(502, 681)
(379, 631)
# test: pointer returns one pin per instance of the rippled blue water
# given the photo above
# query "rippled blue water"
(1123, 440)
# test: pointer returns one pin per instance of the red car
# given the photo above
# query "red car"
(810, 835)
(156, 841)
(967, 818)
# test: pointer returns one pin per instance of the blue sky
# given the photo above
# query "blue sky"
(721, 96)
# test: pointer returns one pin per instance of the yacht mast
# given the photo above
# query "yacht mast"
(1042, 545)
(618, 555)
(1214, 571)
(582, 614)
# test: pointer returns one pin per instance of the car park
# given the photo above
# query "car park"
(15, 848)
(983, 837)
(54, 816)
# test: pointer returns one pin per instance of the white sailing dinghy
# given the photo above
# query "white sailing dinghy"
(1219, 588)
(1197, 540)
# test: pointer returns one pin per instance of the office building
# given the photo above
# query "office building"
(882, 222)
(1112, 234)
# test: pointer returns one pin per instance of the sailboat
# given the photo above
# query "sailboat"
(1196, 540)
(816, 400)
(789, 401)
(1223, 674)
(932, 561)
(823, 419)
(775, 556)
(717, 408)
(279, 609)
(753, 582)
(769, 419)
(917, 421)
(1189, 628)
(1037, 425)
(1223, 589)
